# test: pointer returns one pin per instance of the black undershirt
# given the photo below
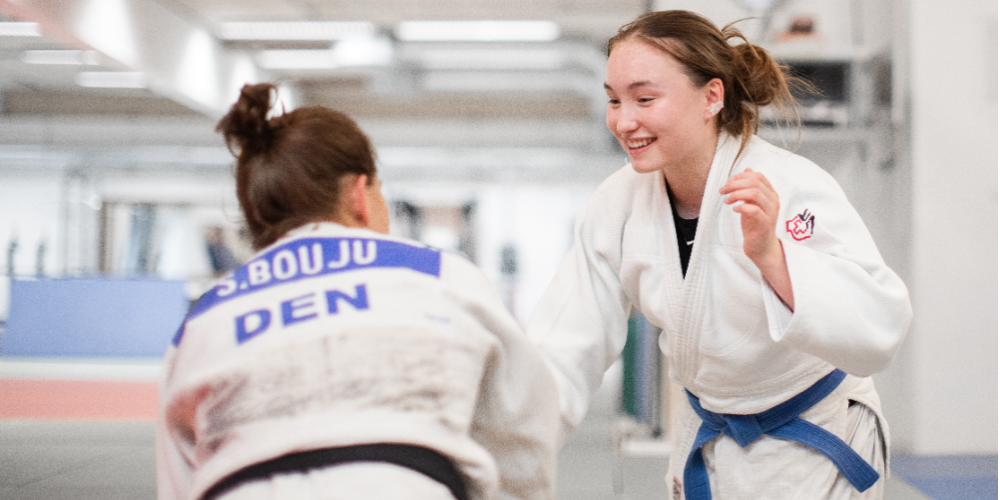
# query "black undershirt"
(686, 230)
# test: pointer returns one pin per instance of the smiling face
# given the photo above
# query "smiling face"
(656, 112)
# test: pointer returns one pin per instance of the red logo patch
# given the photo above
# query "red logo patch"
(801, 226)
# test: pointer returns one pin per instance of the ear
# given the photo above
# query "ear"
(715, 96)
(356, 201)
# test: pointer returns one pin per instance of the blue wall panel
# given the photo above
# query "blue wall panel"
(92, 317)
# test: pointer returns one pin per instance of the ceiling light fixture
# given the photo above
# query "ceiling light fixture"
(296, 59)
(110, 27)
(371, 51)
(197, 75)
(295, 31)
(111, 79)
(539, 57)
(477, 31)
(353, 52)
(19, 29)
(72, 57)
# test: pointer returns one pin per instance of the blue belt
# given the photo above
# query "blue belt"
(782, 421)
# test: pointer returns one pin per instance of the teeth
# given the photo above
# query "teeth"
(638, 143)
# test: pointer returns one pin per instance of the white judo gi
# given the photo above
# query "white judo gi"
(335, 336)
(729, 339)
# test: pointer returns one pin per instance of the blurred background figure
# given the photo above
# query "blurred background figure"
(220, 255)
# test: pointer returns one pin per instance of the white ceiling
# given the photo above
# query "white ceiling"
(533, 109)
(157, 30)
(491, 105)
(590, 19)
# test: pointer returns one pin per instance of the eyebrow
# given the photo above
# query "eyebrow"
(632, 86)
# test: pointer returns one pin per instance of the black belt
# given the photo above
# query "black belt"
(423, 460)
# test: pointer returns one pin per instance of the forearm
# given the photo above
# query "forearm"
(774, 267)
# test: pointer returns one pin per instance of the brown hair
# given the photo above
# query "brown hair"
(289, 167)
(750, 77)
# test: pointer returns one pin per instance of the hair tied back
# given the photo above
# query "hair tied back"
(246, 126)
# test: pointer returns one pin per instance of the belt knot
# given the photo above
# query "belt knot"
(783, 422)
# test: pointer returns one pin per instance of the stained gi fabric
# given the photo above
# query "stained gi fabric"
(334, 337)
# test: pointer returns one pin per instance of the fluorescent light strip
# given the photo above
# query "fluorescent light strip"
(477, 31)
(112, 79)
(19, 29)
(295, 31)
(73, 57)
(296, 59)
(540, 58)
(756, 5)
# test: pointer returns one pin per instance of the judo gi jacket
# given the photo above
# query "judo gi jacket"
(728, 337)
(337, 336)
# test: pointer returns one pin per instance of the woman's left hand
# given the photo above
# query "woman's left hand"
(758, 218)
(758, 212)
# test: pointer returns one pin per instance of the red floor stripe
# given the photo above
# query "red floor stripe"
(77, 400)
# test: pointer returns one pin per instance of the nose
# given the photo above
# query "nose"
(622, 121)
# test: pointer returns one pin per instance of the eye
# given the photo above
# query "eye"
(614, 102)
(644, 100)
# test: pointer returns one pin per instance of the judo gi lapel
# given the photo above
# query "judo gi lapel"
(695, 288)
(673, 280)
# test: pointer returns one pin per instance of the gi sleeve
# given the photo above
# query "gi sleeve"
(174, 473)
(517, 414)
(850, 308)
(581, 322)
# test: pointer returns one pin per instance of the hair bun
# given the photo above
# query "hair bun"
(246, 125)
(761, 76)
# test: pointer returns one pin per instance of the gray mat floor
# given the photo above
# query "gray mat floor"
(589, 468)
(112, 461)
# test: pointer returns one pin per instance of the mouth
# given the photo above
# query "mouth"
(638, 145)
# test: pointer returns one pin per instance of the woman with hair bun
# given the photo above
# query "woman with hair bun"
(774, 303)
(340, 362)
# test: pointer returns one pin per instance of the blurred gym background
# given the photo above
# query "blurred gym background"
(117, 204)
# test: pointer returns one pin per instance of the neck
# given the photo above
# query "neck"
(687, 181)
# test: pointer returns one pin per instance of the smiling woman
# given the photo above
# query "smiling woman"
(774, 314)
(653, 110)
(680, 74)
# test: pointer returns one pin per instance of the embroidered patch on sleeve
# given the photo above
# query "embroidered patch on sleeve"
(676, 490)
(801, 226)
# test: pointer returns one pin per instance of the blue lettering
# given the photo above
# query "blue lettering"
(312, 257)
(343, 257)
(359, 301)
(259, 272)
(298, 309)
(361, 257)
(262, 319)
(227, 287)
(316, 265)
(284, 265)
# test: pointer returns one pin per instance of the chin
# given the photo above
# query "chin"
(643, 167)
